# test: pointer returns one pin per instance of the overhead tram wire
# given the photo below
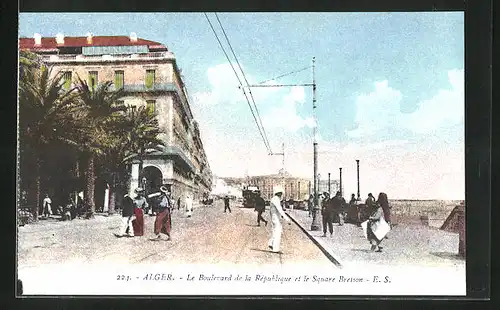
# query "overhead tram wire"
(266, 143)
(245, 78)
(283, 75)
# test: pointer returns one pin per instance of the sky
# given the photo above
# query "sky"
(390, 91)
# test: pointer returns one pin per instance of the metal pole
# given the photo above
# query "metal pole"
(329, 187)
(298, 198)
(357, 164)
(315, 222)
(340, 185)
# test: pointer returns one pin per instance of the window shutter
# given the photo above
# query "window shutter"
(93, 79)
(150, 78)
(119, 79)
(151, 106)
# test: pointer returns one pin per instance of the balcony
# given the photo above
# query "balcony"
(64, 58)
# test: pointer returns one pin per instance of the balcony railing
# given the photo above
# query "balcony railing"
(90, 58)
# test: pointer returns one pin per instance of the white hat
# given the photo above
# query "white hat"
(164, 189)
(277, 189)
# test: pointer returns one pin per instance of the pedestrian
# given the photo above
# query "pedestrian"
(276, 212)
(226, 204)
(163, 222)
(127, 216)
(47, 206)
(383, 201)
(178, 203)
(370, 201)
(353, 200)
(189, 205)
(327, 213)
(339, 204)
(260, 207)
(310, 205)
(376, 228)
(140, 204)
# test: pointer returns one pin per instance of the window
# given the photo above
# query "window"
(151, 106)
(93, 79)
(119, 79)
(150, 78)
(67, 76)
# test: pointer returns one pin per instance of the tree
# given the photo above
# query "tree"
(46, 114)
(101, 109)
(131, 135)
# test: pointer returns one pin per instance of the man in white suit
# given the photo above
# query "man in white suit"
(276, 213)
(189, 205)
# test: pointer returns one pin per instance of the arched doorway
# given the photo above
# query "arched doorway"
(151, 179)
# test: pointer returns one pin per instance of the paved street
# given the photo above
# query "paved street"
(210, 236)
(407, 245)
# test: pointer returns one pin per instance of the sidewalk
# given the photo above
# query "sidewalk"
(407, 245)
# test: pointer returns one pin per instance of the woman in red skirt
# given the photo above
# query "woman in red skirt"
(140, 204)
(163, 222)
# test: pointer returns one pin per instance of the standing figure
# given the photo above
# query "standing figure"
(327, 213)
(310, 205)
(140, 204)
(260, 207)
(339, 207)
(370, 201)
(353, 200)
(276, 212)
(383, 201)
(226, 204)
(47, 205)
(375, 228)
(163, 222)
(127, 214)
(178, 203)
(189, 205)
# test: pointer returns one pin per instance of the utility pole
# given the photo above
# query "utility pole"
(340, 185)
(357, 169)
(315, 223)
(282, 165)
(329, 187)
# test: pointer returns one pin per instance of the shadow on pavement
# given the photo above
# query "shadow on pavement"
(265, 251)
(362, 250)
(448, 255)
(255, 225)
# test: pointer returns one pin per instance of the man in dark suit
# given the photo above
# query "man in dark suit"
(260, 207)
(226, 204)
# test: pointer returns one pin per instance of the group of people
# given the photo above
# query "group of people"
(378, 215)
(161, 205)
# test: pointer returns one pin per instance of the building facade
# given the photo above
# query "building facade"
(147, 72)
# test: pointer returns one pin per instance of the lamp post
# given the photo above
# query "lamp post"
(340, 185)
(329, 188)
(357, 167)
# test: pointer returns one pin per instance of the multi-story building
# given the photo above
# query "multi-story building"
(148, 73)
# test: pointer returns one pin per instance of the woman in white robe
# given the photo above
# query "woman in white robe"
(189, 205)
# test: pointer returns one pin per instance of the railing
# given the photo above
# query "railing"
(80, 57)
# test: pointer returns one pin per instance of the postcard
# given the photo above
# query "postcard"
(224, 154)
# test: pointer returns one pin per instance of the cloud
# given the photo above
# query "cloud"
(380, 110)
(285, 115)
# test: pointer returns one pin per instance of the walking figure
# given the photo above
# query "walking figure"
(47, 205)
(260, 207)
(226, 204)
(163, 222)
(276, 212)
(127, 216)
(327, 214)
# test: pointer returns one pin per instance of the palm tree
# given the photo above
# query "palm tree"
(101, 108)
(46, 114)
(133, 133)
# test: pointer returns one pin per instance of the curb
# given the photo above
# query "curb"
(317, 243)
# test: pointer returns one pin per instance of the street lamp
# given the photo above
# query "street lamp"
(357, 167)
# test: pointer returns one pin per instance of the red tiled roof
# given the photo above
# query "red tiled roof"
(47, 43)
